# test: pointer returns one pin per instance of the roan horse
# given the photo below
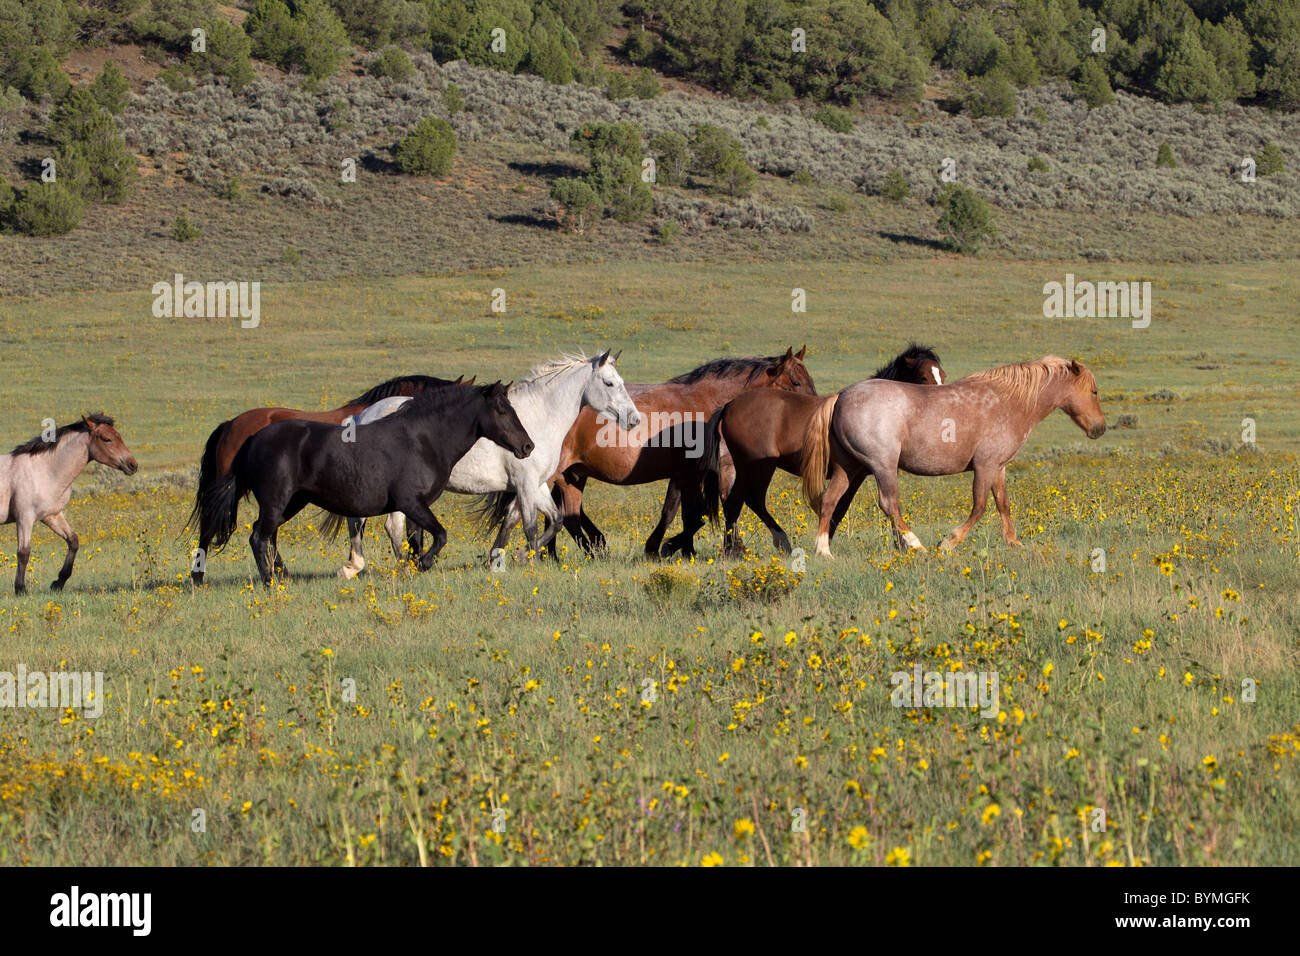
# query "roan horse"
(36, 484)
(548, 401)
(662, 448)
(400, 463)
(978, 423)
(763, 429)
(228, 437)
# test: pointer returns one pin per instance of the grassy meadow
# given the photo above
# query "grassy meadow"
(618, 711)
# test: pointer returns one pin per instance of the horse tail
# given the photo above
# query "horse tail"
(220, 514)
(817, 452)
(207, 475)
(491, 508)
(330, 524)
(709, 463)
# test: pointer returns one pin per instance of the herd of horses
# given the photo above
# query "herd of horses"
(527, 450)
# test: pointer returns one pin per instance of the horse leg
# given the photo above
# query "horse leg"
(1004, 508)
(548, 508)
(887, 497)
(672, 501)
(260, 541)
(726, 471)
(281, 571)
(424, 519)
(511, 519)
(979, 499)
(356, 562)
(568, 495)
(846, 500)
(836, 489)
(757, 501)
(395, 527)
(24, 552)
(732, 505)
(692, 497)
(59, 525)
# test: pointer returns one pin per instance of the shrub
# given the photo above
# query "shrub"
(645, 85)
(967, 220)
(672, 157)
(110, 88)
(228, 54)
(551, 60)
(93, 158)
(1270, 162)
(428, 149)
(309, 38)
(834, 119)
(453, 100)
(713, 150)
(895, 186)
(48, 209)
(1092, 85)
(183, 230)
(667, 231)
(991, 95)
(735, 177)
(609, 139)
(802, 177)
(1037, 164)
(579, 203)
(392, 63)
(377, 23)
(7, 197)
(1188, 74)
(1165, 156)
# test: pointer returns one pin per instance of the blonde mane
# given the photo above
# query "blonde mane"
(1024, 381)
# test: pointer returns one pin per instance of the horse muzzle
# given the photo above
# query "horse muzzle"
(524, 450)
(1097, 430)
(128, 466)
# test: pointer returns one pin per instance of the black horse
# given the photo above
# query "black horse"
(399, 463)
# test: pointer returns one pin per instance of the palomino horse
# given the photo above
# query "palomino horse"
(36, 484)
(227, 438)
(978, 423)
(548, 401)
(398, 464)
(764, 430)
(674, 413)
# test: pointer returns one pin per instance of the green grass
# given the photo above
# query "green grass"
(523, 690)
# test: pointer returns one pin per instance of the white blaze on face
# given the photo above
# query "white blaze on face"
(934, 370)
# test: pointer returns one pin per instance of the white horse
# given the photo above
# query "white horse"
(547, 402)
(36, 483)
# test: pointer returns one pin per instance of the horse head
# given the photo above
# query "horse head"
(107, 446)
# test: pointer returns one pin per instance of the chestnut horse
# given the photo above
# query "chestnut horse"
(764, 429)
(228, 437)
(592, 449)
(978, 423)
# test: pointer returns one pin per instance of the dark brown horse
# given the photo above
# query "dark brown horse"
(764, 430)
(228, 437)
(667, 445)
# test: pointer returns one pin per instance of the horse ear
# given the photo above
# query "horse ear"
(910, 360)
(459, 379)
(800, 354)
(789, 354)
(1075, 367)
(470, 380)
(600, 359)
(616, 355)
(90, 426)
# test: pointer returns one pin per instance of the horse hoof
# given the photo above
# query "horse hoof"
(347, 573)
(196, 577)
(56, 585)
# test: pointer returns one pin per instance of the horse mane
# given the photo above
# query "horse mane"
(1023, 381)
(895, 371)
(39, 446)
(724, 367)
(394, 387)
(545, 370)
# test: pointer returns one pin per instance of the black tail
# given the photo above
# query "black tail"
(491, 509)
(710, 466)
(330, 524)
(207, 476)
(220, 515)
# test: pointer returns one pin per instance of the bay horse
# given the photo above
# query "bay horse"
(763, 429)
(36, 484)
(228, 437)
(659, 451)
(400, 463)
(978, 423)
(548, 401)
